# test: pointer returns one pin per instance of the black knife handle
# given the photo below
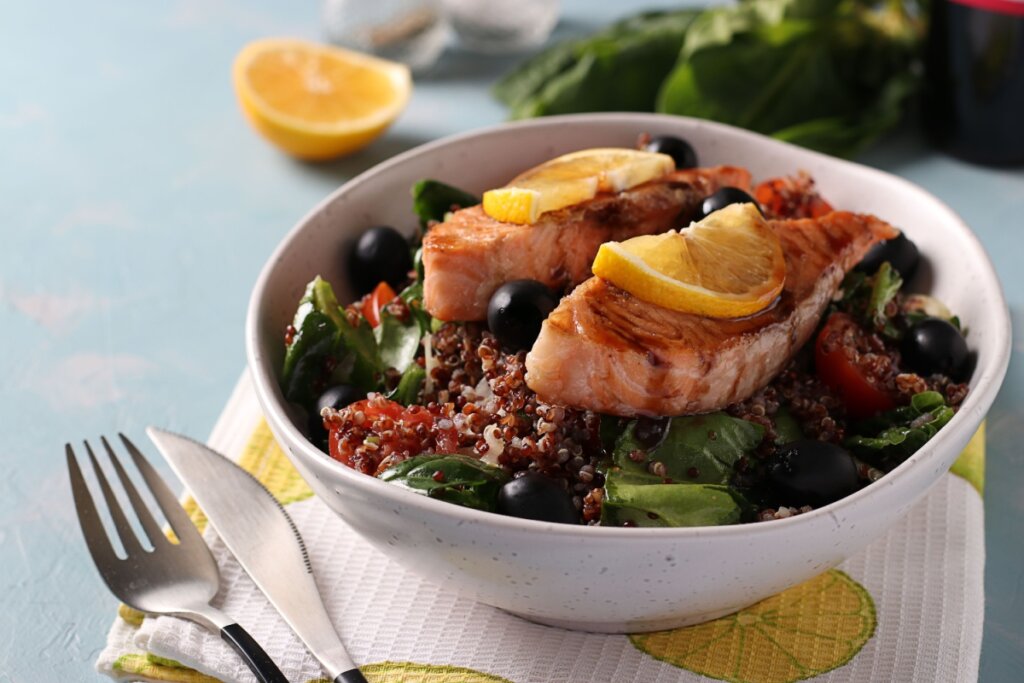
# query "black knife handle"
(258, 661)
(350, 676)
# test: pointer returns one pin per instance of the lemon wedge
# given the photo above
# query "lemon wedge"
(317, 102)
(728, 265)
(571, 179)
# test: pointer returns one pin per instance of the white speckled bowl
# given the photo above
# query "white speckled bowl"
(617, 579)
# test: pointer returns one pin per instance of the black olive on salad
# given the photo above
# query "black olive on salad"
(381, 253)
(516, 311)
(933, 346)
(336, 397)
(680, 150)
(535, 496)
(809, 472)
(723, 198)
(900, 252)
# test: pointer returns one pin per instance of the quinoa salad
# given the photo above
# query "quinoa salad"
(459, 410)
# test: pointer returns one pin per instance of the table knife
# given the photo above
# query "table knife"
(264, 540)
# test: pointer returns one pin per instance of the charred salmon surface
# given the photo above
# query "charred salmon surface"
(471, 254)
(605, 350)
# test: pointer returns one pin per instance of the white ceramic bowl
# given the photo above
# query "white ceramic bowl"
(618, 579)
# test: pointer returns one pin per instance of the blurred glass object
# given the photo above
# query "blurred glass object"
(498, 26)
(409, 31)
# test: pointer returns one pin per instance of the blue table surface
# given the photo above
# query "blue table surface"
(137, 209)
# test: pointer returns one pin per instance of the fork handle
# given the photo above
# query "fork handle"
(258, 661)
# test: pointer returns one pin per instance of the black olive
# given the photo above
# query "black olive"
(900, 252)
(381, 253)
(680, 150)
(723, 198)
(336, 397)
(516, 311)
(933, 346)
(535, 496)
(809, 472)
(650, 431)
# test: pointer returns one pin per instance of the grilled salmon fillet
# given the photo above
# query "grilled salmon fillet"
(606, 350)
(471, 254)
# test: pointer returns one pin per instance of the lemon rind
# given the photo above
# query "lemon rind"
(398, 74)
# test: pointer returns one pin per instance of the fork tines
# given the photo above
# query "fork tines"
(92, 527)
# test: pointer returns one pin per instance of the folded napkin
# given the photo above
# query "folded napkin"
(908, 608)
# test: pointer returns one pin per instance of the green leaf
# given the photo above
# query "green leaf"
(315, 346)
(432, 199)
(366, 363)
(707, 446)
(307, 359)
(463, 480)
(831, 75)
(618, 69)
(669, 505)
(890, 438)
(408, 390)
(397, 341)
(865, 297)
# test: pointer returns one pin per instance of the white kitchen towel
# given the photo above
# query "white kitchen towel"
(908, 608)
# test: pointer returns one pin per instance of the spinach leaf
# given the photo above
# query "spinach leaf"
(831, 74)
(463, 480)
(365, 361)
(408, 390)
(316, 344)
(397, 341)
(413, 298)
(669, 505)
(432, 199)
(700, 449)
(890, 438)
(620, 68)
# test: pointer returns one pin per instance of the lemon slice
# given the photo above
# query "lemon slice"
(800, 633)
(318, 102)
(571, 179)
(726, 266)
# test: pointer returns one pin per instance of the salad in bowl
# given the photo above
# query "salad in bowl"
(622, 337)
(621, 353)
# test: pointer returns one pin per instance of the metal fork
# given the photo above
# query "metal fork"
(178, 579)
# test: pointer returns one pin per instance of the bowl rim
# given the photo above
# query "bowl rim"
(978, 401)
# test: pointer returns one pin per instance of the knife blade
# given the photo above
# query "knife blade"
(262, 537)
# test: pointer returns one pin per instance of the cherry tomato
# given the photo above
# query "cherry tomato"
(836, 353)
(382, 295)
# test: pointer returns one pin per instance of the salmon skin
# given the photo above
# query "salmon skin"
(605, 350)
(471, 254)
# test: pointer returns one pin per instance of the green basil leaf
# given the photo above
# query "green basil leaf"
(432, 199)
(463, 480)
(669, 505)
(699, 449)
(408, 390)
(890, 438)
(620, 68)
(367, 365)
(316, 344)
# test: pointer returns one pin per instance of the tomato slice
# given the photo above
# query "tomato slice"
(381, 296)
(835, 354)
